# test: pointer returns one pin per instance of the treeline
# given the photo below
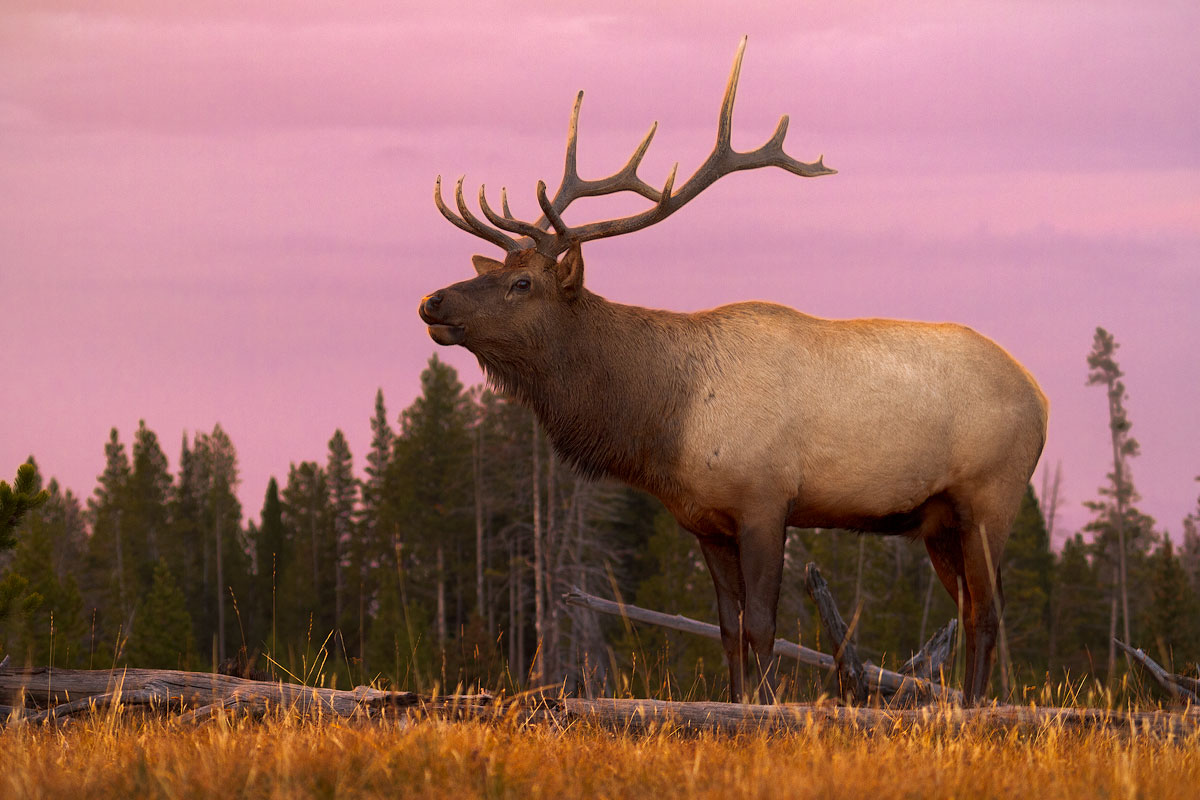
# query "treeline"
(443, 560)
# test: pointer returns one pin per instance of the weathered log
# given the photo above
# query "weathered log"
(879, 679)
(852, 685)
(63, 692)
(737, 717)
(1180, 689)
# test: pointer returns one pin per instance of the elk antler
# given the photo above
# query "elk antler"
(721, 161)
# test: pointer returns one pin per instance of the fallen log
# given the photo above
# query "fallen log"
(637, 715)
(58, 693)
(878, 679)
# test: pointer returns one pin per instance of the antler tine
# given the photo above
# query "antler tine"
(625, 179)
(504, 202)
(446, 212)
(508, 222)
(472, 223)
(552, 213)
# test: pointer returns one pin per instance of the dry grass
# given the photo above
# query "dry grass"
(107, 756)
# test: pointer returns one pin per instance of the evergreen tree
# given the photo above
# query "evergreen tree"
(1028, 574)
(432, 460)
(16, 500)
(111, 585)
(146, 519)
(217, 469)
(162, 633)
(1189, 552)
(372, 554)
(1118, 526)
(1078, 613)
(343, 497)
(305, 599)
(1170, 626)
(41, 613)
(186, 549)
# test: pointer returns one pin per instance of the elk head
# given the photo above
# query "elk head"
(516, 302)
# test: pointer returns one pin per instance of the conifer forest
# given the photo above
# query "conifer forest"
(438, 559)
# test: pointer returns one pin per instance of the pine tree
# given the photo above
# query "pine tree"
(47, 626)
(1189, 552)
(433, 459)
(272, 554)
(146, 520)
(1080, 632)
(110, 585)
(1170, 618)
(306, 587)
(16, 500)
(343, 497)
(217, 468)
(1028, 574)
(162, 632)
(1118, 526)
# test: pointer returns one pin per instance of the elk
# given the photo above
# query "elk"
(752, 417)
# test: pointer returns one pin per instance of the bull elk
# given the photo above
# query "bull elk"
(752, 417)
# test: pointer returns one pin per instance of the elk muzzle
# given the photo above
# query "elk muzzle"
(440, 330)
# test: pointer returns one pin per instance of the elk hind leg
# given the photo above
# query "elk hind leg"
(941, 531)
(982, 547)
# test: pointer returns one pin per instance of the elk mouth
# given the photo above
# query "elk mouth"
(447, 334)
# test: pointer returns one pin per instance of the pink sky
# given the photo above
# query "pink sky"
(221, 212)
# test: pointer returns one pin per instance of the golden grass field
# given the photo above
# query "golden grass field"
(107, 755)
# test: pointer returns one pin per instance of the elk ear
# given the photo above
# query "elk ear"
(569, 271)
(484, 265)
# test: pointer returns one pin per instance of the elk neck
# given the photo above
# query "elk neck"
(610, 385)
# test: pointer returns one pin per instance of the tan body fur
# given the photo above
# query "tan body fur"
(752, 417)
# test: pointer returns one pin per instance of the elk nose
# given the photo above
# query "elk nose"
(430, 303)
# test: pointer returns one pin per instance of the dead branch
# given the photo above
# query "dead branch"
(851, 684)
(1180, 689)
(879, 679)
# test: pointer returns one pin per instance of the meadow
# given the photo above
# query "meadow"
(288, 756)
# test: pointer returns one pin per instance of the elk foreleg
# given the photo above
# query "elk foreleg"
(761, 547)
(721, 555)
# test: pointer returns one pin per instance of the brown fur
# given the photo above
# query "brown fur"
(751, 417)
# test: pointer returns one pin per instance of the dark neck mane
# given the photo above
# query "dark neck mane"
(609, 386)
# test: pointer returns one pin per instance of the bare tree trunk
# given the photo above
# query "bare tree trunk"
(220, 585)
(121, 591)
(928, 602)
(550, 670)
(441, 596)
(512, 603)
(1112, 634)
(519, 578)
(1119, 497)
(858, 579)
(479, 555)
(539, 590)
(1051, 494)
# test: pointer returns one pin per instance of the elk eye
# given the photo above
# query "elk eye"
(521, 285)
